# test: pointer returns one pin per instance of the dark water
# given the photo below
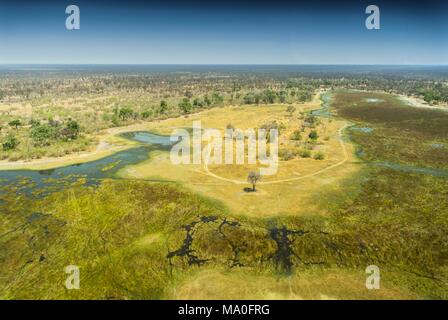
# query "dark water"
(91, 172)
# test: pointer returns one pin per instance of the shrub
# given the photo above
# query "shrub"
(313, 135)
(198, 103)
(71, 131)
(15, 123)
(296, 135)
(290, 109)
(251, 98)
(273, 125)
(42, 134)
(312, 120)
(319, 156)
(115, 121)
(217, 98)
(146, 114)
(125, 113)
(163, 107)
(10, 142)
(34, 122)
(305, 153)
(185, 106)
(286, 155)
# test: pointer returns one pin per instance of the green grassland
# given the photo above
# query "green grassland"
(130, 241)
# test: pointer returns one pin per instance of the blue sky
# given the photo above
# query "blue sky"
(243, 32)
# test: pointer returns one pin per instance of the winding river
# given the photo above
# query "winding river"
(30, 181)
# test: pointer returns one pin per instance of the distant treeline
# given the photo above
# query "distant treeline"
(247, 87)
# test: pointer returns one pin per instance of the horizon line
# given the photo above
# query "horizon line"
(218, 64)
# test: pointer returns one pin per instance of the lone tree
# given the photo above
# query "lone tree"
(253, 179)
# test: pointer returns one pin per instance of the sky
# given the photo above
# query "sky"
(224, 32)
